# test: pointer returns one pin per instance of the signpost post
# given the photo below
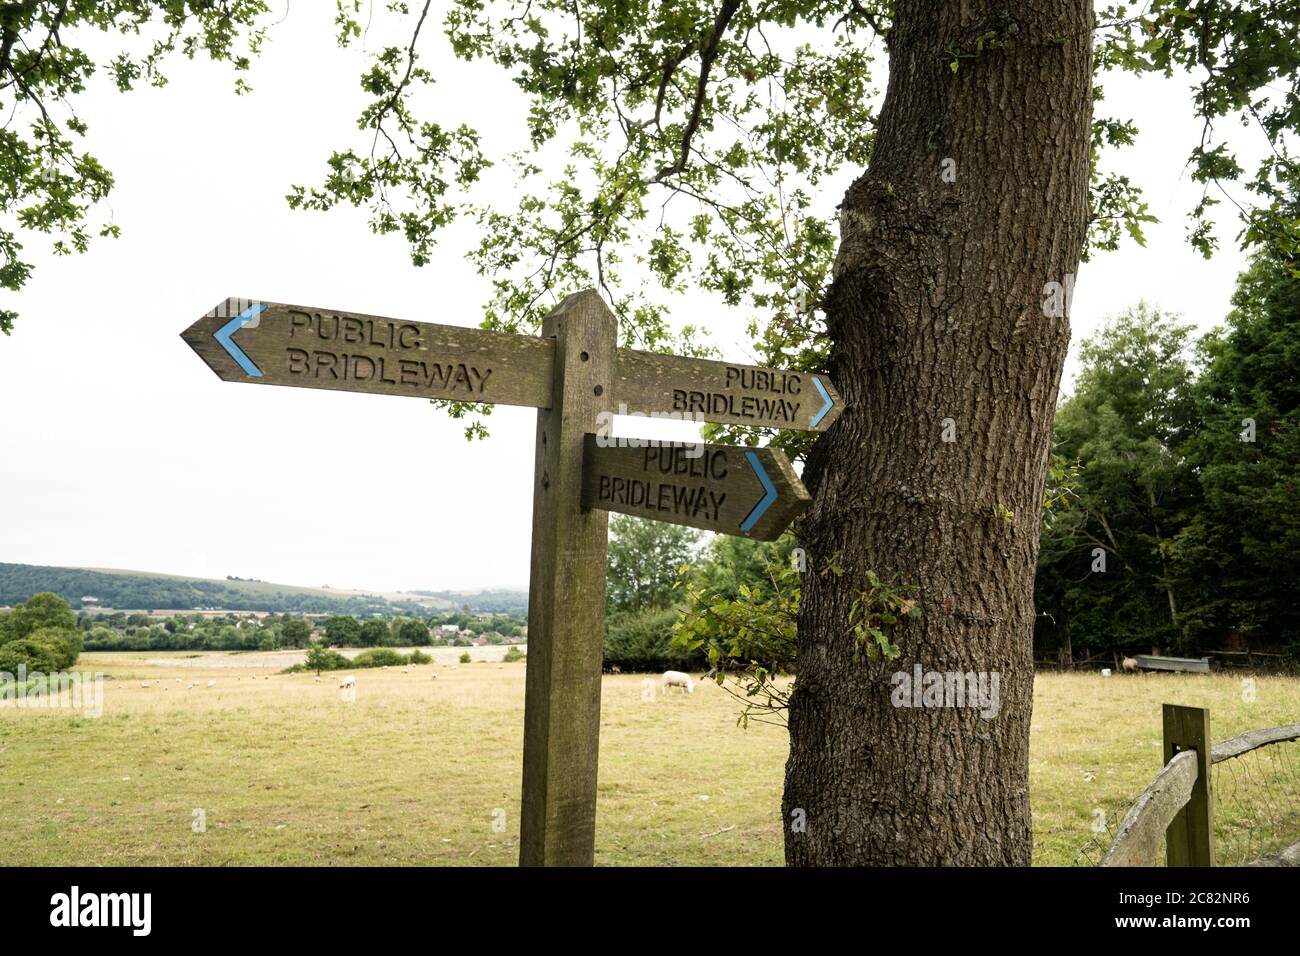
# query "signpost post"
(573, 374)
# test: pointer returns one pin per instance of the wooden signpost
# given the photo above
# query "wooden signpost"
(574, 374)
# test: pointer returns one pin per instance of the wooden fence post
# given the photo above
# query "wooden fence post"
(1189, 841)
(566, 597)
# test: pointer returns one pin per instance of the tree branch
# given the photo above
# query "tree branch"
(708, 53)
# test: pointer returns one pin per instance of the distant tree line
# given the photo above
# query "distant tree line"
(497, 601)
(1182, 529)
(120, 631)
(19, 581)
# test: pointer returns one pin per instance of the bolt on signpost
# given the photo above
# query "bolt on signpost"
(573, 373)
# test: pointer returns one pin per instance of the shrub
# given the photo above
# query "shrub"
(643, 641)
(419, 657)
(34, 655)
(465, 658)
(513, 654)
(64, 643)
(38, 611)
(322, 659)
(378, 657)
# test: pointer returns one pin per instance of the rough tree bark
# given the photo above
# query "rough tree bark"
(936, 312)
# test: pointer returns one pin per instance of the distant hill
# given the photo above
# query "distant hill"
(501, 601)
(143, 590)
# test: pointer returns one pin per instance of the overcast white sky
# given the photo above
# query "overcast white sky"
(119, 448)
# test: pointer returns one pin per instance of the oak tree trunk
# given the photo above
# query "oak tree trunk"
(936, 312)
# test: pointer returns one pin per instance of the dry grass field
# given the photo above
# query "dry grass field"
(420, 770)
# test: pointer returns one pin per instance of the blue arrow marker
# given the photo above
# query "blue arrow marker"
(223, 337)
(768, 499)
(826, 396)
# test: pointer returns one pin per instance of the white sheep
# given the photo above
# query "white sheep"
(678, 679)
(348, 681)
(212, 683)
(1130, 664)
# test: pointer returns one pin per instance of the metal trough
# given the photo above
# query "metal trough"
(1190, 665)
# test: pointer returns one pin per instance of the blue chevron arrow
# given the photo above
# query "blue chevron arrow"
(768, 499)
(223, 337)
(826, 396)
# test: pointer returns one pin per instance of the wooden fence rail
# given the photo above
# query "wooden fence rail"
(1253, 740)
(1139, 834)
(1179, 803)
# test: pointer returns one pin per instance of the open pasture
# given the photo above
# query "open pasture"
(268, 768)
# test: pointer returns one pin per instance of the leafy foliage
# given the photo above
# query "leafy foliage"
(668, 148)
(644, 557)
(343, 630)
(1239, 549)
(42, 634)
(48, 183)
(877, 606)
(379, 657)
(1245, 55)
(41, 610)
(35, 656)
(321, 658)
(642, 640)
(741, 610)
(1130, 414)
(1186, 482)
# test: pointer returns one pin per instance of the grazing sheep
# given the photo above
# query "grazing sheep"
(318, 678)
(144, 683)
(405, 671)
(212, 683)
(678, 679)
(434, 677)
(1130, 664)
(348, 681)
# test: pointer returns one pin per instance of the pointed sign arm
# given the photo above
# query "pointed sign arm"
(750, 492)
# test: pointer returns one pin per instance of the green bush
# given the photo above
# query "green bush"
(38, 611)
(64, 643)
(379, 657)
(419, 657)
(513, 654)
(34, 655)
(643, 641)
(322, 659)
(465, 658)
